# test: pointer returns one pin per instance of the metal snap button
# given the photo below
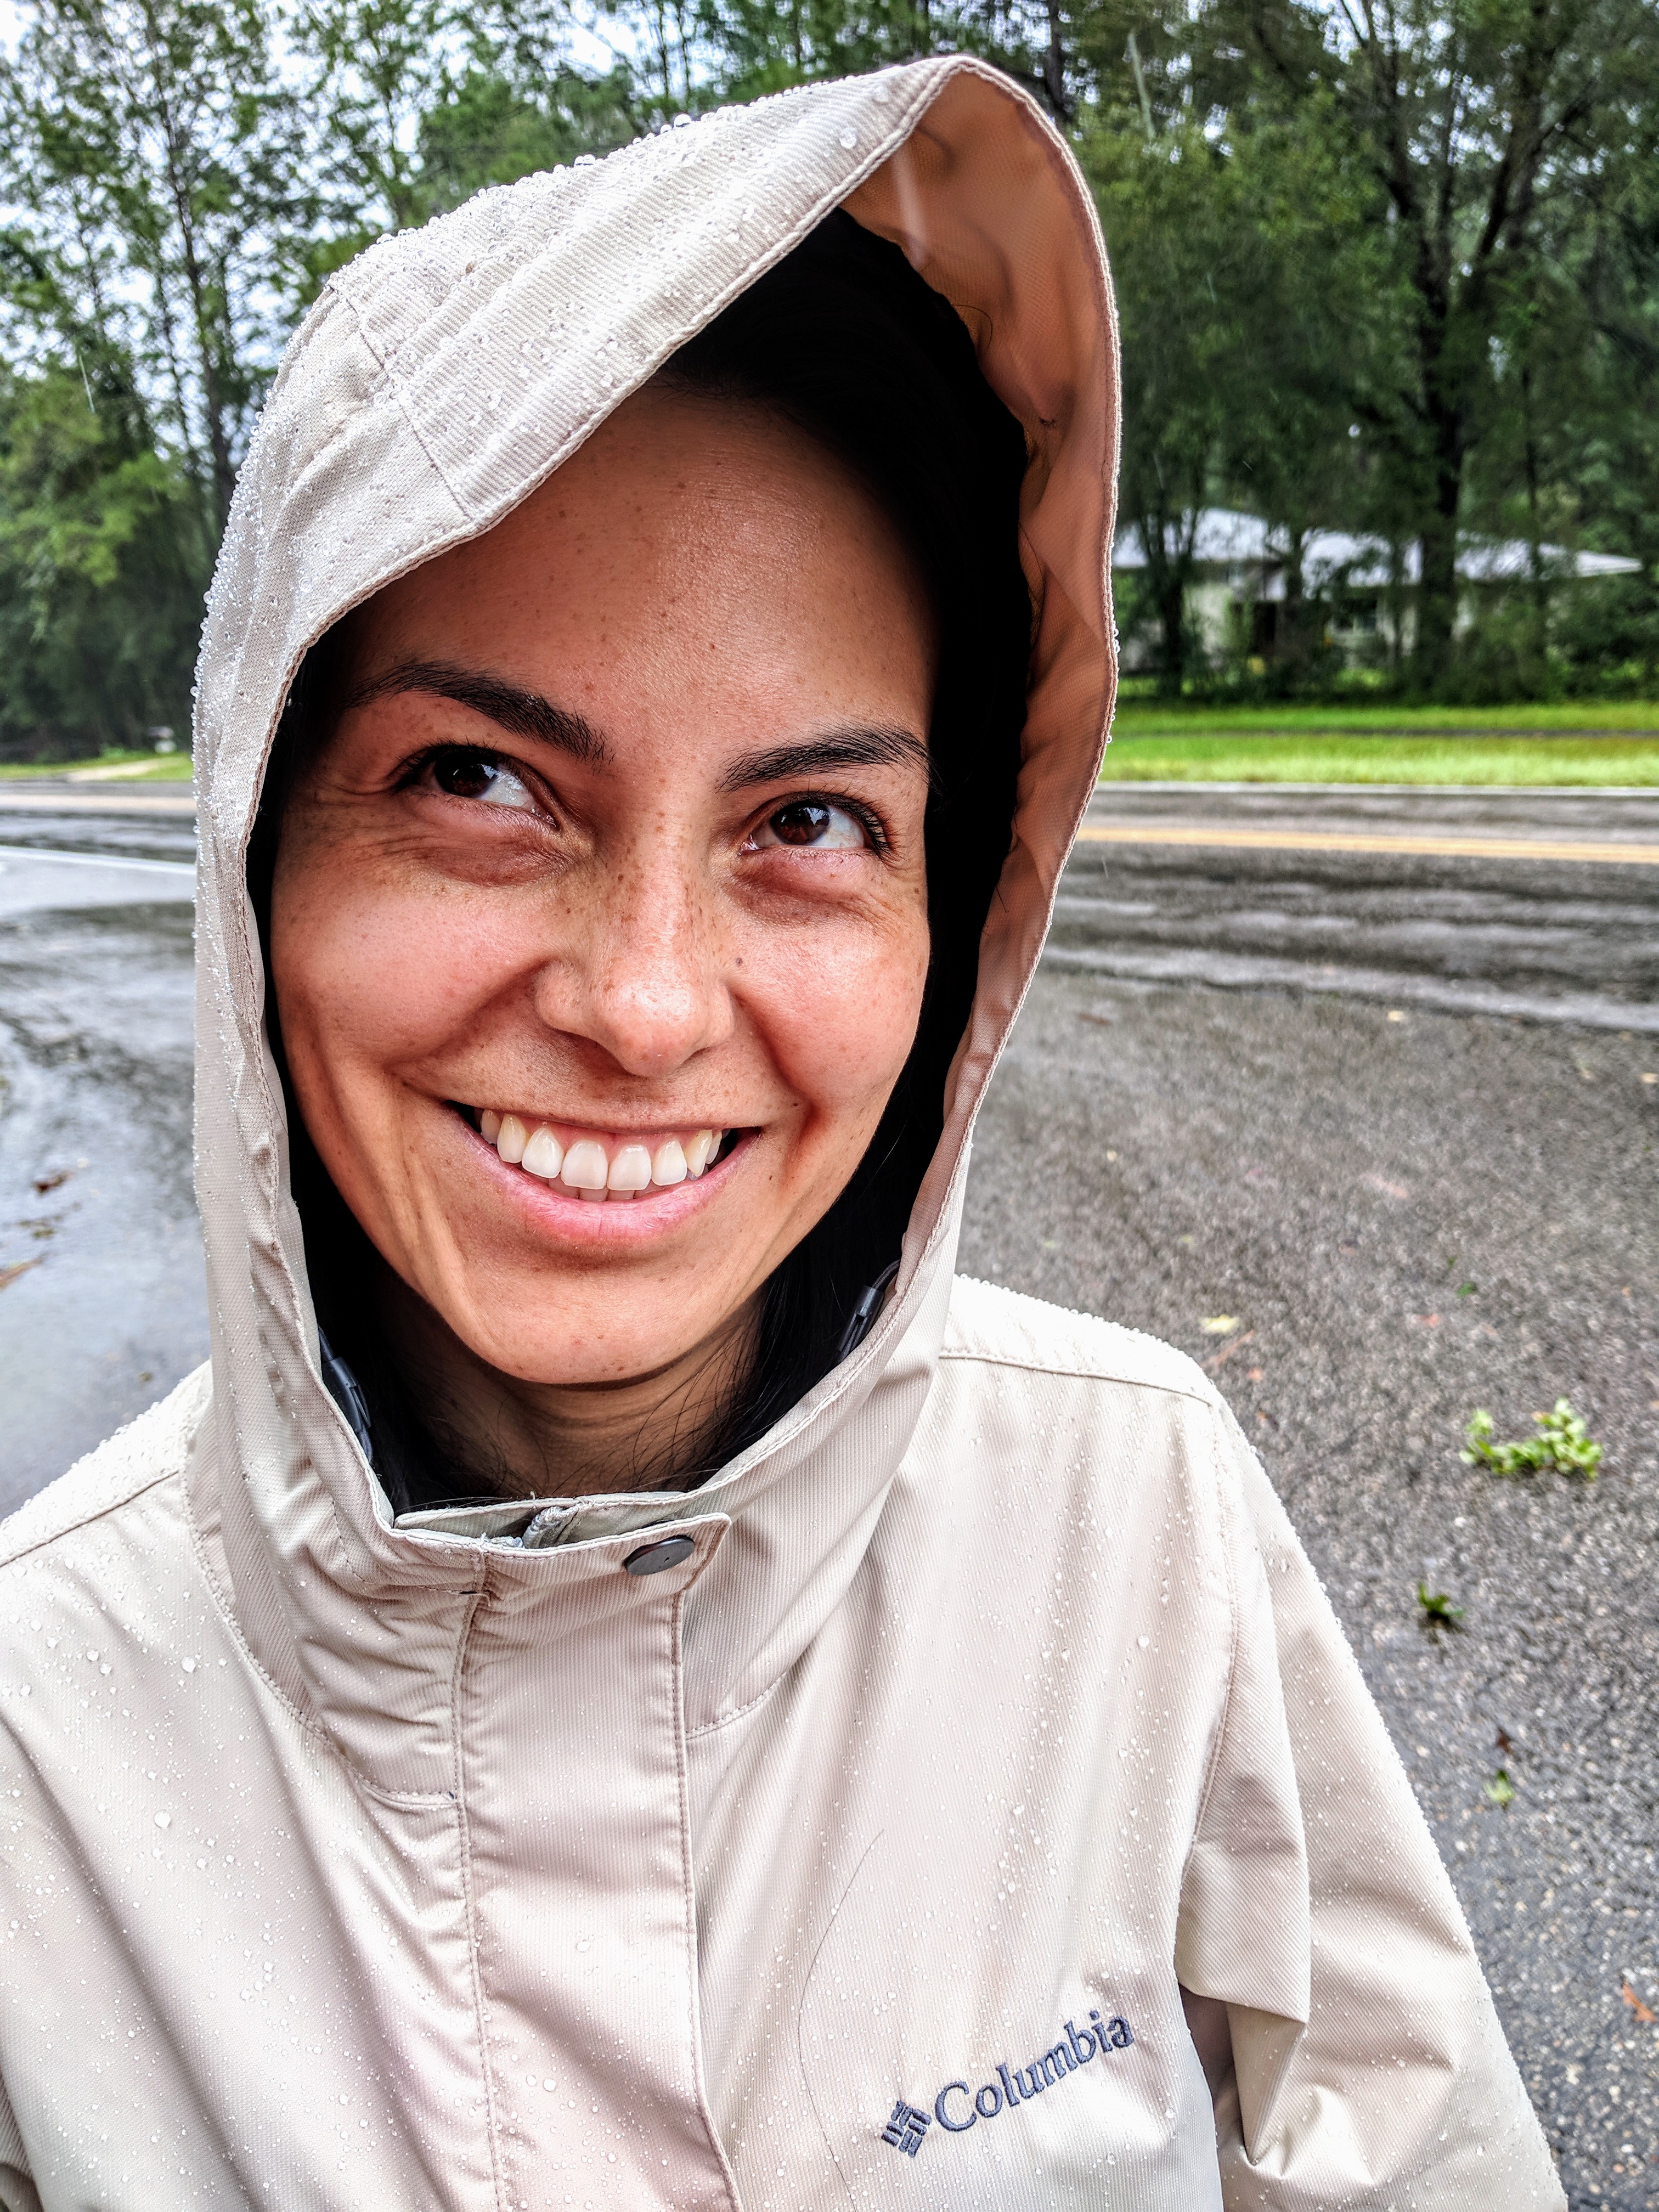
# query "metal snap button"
(651, 1558)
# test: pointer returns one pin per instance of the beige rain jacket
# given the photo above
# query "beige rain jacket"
(861, 1858)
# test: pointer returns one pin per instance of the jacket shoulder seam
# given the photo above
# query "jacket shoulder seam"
(1033, 1363)
(101, 1511)
(154, 1456)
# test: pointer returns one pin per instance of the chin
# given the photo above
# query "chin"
(565, 1351)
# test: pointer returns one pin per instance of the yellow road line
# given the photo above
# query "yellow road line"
(1367, 841)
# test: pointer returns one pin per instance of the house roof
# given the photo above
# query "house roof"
(1223, 537)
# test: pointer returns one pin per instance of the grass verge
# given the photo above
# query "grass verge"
(112, 768)
(1280, 754)
(1151, 717)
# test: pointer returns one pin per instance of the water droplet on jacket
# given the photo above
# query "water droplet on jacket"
(849, 138)
(189, 1665)
(164, 1820)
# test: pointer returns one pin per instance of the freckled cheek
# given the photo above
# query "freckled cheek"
(385, 980)
(838, 1022)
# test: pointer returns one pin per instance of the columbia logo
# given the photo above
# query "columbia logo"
(957, 2108)
(906, 2128)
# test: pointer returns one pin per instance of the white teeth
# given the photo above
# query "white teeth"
(586, 1167)
(631, 1169)
(543, 1155)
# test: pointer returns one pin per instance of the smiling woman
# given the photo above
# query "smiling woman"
(652, 1691)
(599, 857)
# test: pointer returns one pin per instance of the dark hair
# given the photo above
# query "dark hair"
(844, 340)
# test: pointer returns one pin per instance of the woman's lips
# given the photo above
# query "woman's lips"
(599, 1165)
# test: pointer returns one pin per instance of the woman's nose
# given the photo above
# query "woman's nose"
(641, 974)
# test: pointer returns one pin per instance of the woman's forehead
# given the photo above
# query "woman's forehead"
(688, 551)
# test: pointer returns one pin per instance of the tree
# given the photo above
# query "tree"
(100, 567)
(1254, 315)
(151, 147)
(1482, 122)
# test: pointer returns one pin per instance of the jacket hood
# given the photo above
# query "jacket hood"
(438, 382)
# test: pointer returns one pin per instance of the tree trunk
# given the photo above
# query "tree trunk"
(1540, 590)
(1171, 612)
(1437, 589)
(1054, 67)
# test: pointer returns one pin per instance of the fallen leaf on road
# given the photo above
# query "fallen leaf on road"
(1219, 1324)
(1220, 1359)
(9, 1275)
(1500, 1790)
(1389, 1190)
(1425, 1321)
(1645, 2013)
(46, 1182)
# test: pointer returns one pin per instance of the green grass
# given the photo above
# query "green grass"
(1279, 750)
(151, 768)
(1147, 716)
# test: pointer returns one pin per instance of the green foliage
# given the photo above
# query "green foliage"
(1438, 1609)
(1563, 1444)
(99, 595)
(1392, 275)
(487, 131)
(1500, 1790)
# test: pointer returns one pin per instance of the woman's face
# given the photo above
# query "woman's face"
(618, 844)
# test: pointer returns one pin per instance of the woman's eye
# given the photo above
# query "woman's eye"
(811, 822)
(479, 775)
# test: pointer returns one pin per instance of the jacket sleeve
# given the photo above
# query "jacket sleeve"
(1368, 2070)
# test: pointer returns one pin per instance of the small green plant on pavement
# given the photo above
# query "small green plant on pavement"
(1438, 1610)
(1563, 1444)
(1500, 1790)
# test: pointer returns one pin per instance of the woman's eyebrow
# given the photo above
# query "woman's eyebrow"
(852, 747)
(522, 713)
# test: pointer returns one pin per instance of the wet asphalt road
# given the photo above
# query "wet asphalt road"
(1206, 1109)
(103, 1301)
(1554, 941)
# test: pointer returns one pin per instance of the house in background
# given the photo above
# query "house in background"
(1241, 569)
